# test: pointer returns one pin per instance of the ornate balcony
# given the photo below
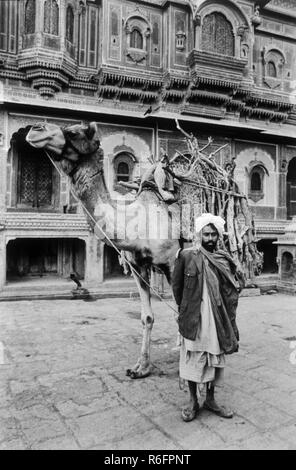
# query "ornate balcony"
(218, 69)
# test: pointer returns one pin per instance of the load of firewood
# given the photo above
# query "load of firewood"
(207, 187)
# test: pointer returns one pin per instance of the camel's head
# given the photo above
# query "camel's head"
(69, 143)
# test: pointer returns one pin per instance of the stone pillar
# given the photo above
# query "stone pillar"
(94, 267)
(282, 195)
(3, 158)
(287, 259)
(2, 258)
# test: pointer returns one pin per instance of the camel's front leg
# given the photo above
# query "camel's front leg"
(143, 366)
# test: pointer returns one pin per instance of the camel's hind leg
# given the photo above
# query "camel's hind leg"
(143, 367)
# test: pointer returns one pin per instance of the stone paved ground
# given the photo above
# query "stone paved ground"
(63, 383)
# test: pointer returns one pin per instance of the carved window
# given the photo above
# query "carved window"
(70, 24)
(274, 66)
(114, 24)
(35, 188)
(88, 37)
(271, 69)
(82, 38)
(287, 265)
(256, 186)
(51, 17)
(30, 16)
(217, 35)
(180, 41)
(136, 39)
(256, 182)
(155, 34)
(93, 37)
(123, 172)
(8, 25)
(123, 169)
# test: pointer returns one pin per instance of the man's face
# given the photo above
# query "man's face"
(209, 237)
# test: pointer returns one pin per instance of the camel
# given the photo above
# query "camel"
(131, 228)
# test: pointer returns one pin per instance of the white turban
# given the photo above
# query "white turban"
(206, 219)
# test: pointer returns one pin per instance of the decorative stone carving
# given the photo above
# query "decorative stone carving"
(137, 23)
(81, 7)
(180, 43)
(136, 56)
(242, 32)
(196, 20)
(256, 18)
(272, 83)
(284, 165)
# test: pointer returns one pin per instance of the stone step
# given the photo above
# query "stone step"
(101, 292)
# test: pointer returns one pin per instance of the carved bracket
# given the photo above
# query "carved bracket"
(136, 56)
(256, 18)
(272, 83)
(256, 196)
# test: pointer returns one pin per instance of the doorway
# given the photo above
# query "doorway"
(269, 251)
(44, 257)
(112, 268)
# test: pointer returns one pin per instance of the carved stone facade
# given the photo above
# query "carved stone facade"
(223, 68)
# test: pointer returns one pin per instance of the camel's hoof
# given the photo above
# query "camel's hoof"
(138, 374)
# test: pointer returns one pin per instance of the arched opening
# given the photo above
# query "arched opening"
(155, 34)
(287, 265)
(36, 183)
(70, 24)
(123, 172)
(112, 268)
(30, 15)
(291, 189)
(269, 251)
(51, 17)
(114, 24)
(137, 41)
(217, 34)
(256, 183)
(271, 69)
(123, 165)
(31, 258)
(9, 26)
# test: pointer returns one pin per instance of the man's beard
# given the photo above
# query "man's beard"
(209, 246)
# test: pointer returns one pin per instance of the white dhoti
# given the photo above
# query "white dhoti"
(202, 360)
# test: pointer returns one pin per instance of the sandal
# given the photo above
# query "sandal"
(219, 410)
(189, 414)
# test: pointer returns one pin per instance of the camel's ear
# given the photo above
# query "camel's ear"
(91, 130)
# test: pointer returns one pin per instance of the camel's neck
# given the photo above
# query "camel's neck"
(103, 213)
(103, 192)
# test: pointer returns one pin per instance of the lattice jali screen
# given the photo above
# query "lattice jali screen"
(35, 181)
(217, 35)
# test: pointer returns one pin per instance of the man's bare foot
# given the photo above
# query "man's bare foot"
(218, 410)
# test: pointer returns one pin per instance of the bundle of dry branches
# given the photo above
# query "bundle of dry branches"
(207, 187)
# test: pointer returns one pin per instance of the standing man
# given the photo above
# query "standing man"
(206, 293)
